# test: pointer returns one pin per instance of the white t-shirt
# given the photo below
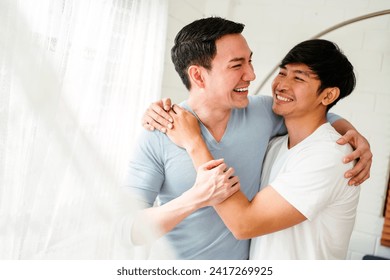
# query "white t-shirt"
(310, 176)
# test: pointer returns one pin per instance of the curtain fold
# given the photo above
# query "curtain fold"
(75, 77)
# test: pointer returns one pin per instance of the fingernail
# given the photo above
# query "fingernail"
(352, 183)
(348, 175)
(171, 120)
(163, 130)
(170, 126)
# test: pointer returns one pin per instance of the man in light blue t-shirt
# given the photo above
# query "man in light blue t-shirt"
(213, 60)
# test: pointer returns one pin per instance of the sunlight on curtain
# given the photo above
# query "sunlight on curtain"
(75, 77)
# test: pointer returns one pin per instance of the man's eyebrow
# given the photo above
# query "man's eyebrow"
(235, 59)
(306, 73)
(309, 74)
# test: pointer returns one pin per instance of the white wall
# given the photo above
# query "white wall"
(272, 28)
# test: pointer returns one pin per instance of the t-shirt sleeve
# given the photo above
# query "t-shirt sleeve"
(145, 174)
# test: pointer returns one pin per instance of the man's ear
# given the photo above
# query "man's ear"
(330, 95)
(196, 77)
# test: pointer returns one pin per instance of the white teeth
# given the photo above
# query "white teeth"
(283, 98)
(241, 89)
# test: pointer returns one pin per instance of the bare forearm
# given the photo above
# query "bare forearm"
(164, 218)
(266, 213)
(199, 152)
(233, 211)
(342, 126)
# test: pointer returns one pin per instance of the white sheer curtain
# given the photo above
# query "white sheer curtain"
(75, 76)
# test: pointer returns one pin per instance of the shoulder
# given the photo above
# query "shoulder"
(146, 137)
(149, 142)
(260, 100)
(321, 147)
(262, 105)
(327, 136)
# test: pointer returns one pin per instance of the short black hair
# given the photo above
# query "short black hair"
(195, 43)
(328, 62)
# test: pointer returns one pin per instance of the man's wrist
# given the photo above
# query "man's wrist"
(194, 198)
(195, 144)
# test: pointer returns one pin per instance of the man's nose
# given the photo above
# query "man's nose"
(249, 74)
(282, 84)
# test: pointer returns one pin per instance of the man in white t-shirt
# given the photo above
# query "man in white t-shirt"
(305, 208)
(307, 176)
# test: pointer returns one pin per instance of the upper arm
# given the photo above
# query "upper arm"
(268, 212)
(145, 174)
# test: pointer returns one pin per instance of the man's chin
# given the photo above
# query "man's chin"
(242, 104)
(276, 111)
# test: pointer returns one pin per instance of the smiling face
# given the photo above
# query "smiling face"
(231, 73)
(295, 93)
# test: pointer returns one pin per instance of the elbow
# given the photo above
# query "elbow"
(143, 234)
(246, 229)
(124, 231)
(138, 231)
(241, 231)
(241, 235)
(137, 239)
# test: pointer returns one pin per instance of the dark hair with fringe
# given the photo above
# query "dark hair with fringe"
(328, 62)
(195, 44)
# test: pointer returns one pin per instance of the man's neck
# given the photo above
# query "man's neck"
(300, 128)
(214, 118)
